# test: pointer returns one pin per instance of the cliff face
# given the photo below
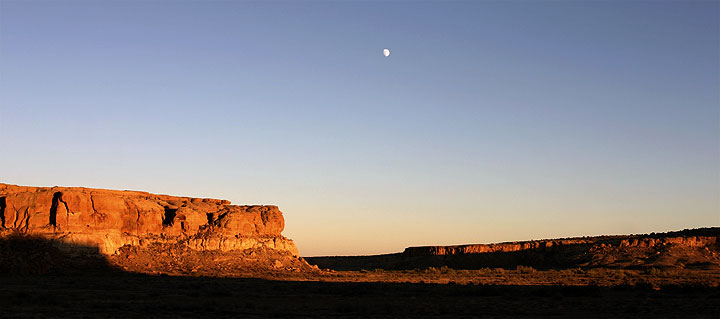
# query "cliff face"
(561, 244)
(110, 219)
(681, 249)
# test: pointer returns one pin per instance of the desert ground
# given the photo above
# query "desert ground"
(92, 286)
(348, 295)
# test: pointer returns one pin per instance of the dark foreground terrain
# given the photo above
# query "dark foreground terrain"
(42, 278)
(126, 295)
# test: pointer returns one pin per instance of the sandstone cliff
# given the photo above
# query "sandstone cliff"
(704, 237)
(110, 219)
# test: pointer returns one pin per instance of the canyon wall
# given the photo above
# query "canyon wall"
(709, 239)
(110, 219)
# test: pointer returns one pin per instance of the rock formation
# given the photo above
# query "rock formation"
(111, 219)
(690, 238)
(695, 248)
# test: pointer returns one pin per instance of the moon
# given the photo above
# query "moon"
(386, 52)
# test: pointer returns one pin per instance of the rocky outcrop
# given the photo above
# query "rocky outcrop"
(110, 219)
(696, 248)
(690, 238)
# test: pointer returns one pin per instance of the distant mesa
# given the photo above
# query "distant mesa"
(701, 237)
(686, 249)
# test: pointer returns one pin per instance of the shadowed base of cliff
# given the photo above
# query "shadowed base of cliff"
(22, 254)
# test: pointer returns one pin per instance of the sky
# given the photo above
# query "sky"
(489, 121)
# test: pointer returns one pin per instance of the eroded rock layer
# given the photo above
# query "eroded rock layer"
(110, 219)
(689, 238)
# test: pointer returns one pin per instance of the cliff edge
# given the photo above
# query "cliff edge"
(111, 219)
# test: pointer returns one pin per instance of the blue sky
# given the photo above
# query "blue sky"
(490, 121)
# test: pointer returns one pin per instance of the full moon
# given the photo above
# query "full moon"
(386, 52)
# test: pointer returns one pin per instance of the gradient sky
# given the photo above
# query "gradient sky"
(490, 121)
